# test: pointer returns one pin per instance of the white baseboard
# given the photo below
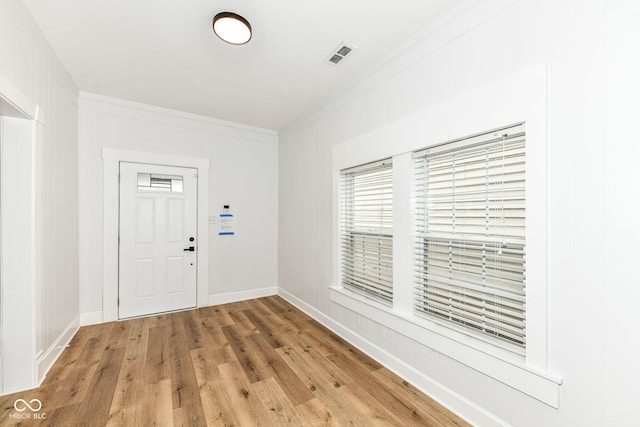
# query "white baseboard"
(242, 295)
(93, 318)
(448, 398)
(96, 317)
(46, 360)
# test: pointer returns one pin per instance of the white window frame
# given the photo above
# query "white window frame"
(367, 267)
(470, 263)
(521, 97)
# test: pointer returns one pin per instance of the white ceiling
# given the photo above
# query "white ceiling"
(164, 53)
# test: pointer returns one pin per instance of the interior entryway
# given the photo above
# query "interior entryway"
(158, 239)
(21, 125)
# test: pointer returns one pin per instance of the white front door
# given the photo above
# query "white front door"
(158, 206)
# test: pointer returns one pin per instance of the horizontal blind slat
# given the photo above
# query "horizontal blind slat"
(366, 194)
(469, 203)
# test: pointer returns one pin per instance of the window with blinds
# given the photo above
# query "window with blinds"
(366, 194)
(470, 240)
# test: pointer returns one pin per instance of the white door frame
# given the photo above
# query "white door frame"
(23, 132)
(112, 158)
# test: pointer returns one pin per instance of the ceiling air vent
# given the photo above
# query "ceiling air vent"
(340, 53)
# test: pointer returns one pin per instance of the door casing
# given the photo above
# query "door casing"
(112, 158)
(23, 123)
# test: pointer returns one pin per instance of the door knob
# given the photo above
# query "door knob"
(190, 249)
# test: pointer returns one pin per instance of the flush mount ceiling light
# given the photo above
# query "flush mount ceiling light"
(232, 28)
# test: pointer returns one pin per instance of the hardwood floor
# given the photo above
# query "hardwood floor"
(252, 363)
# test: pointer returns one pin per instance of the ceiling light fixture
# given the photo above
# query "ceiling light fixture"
(232, 28)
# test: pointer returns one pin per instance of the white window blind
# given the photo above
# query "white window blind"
(470, 240)
(367, 230)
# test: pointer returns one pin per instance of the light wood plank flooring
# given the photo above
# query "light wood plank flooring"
(252, 363)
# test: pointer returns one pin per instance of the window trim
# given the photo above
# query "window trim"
(499, 364)
(381, 290)
(424, 306)
(521, 97)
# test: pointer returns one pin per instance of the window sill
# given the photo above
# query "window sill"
(498, 364)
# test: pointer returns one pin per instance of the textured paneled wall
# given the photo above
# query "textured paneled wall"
(592, 193)
(29, 64)
(243, 173)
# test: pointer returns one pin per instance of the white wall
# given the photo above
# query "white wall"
(29, 65)
(17, 229)
(592, 199)
(243, 174)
